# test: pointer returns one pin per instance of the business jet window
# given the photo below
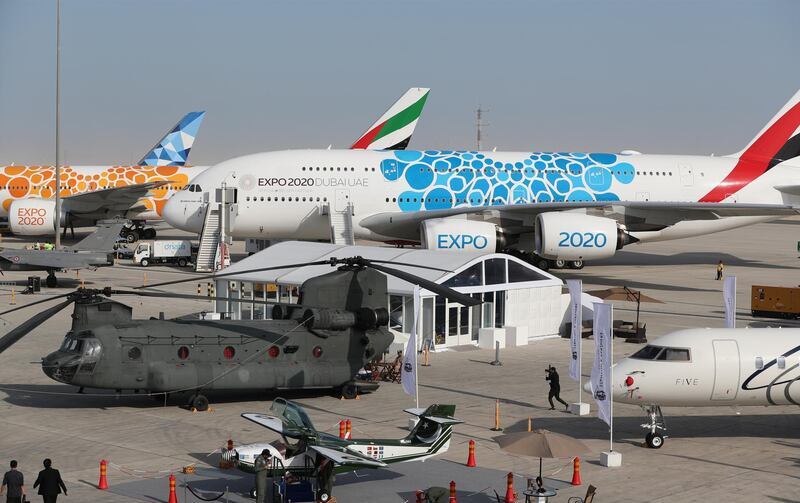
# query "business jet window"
(674, 355)
(647, 353)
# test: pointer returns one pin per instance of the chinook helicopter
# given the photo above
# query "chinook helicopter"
(339, 325)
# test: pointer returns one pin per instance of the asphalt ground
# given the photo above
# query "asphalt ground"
(713, 454)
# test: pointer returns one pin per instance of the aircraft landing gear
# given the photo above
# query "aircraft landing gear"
(136, 231)
(51, 281)
(198, 402)
(656, 425)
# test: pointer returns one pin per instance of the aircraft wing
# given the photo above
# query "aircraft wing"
(273, 423)
(110, 199)
(343, 456)
(521, 217)
(103, 239)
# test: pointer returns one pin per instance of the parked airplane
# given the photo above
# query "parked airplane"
(138, 193)
(92, 193)
(302, 448)
(563, 206)
(710, 368)
(93, 251)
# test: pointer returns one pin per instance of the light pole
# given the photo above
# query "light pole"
(57, 212)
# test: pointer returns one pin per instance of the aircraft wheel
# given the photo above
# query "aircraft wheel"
(349, 391)
(51, 281)
(559, 264)
(144, 262)
(132, 237)
(149, 233)
(654, 440)
(576, 264)
(199, 403)
(253, 493)
(182, 262)
(543, 264)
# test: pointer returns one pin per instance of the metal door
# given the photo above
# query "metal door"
(726, 370)
(687, 176)
(342, 198)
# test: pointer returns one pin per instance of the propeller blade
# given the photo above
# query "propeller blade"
(37, 302)
(225, 274)
(22, 330)
(436, 288)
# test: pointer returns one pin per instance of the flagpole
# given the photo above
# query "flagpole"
(611, 377)
(416, 354)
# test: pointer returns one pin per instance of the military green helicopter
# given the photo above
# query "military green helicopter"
(339, 325)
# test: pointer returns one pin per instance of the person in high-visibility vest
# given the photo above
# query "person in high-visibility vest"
(720, 268)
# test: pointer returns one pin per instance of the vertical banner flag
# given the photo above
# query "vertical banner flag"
(600, 384)
(575, 286)
(729, 296)
(408, 374)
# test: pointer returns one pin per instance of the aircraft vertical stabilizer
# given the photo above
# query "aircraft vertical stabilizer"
(173, 149)
(394, 128)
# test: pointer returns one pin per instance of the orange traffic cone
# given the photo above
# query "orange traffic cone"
(341, 429)
(510, 496)
(453, 491)
(347, 433)
(471, 458)
(103, 484)
(576, 471)
(173, 498)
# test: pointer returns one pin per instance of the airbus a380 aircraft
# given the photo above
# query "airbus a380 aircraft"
(710, 368)
(92, 193)
(562, 206)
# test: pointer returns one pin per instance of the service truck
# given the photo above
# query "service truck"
(163, 252)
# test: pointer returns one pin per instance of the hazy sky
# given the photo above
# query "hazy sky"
(657, 76)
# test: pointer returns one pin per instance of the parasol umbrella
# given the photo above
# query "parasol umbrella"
(625, 294)
(541, 444)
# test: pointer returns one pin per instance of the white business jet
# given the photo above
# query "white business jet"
(710, 368)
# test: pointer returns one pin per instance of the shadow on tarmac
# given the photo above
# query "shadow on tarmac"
(629, 258)
(628, 427)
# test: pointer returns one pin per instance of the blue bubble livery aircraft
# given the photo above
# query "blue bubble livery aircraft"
(564, 207)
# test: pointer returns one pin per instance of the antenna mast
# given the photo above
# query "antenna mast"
(479, 124)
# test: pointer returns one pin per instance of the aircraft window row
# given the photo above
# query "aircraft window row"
(656, 173)
(289, 199)
(331, 168)
(529, 171)
(662, 353)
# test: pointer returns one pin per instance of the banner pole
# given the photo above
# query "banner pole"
(611, 381)
(416, 330)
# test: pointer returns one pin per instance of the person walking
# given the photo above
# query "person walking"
(13, 484)
(49, 483)
(720, 268)
(555, 387)
(262, 469)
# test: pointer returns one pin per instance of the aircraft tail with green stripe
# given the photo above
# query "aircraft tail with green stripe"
(394, 129)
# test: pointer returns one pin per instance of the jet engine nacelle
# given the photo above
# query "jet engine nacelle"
(575, 236)
(32, 217)
(460, 235)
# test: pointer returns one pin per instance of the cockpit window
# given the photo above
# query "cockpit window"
(674, 355)
(194, 188)
(661, 353)
(647, 353)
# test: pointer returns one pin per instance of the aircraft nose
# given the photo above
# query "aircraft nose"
(174, 213)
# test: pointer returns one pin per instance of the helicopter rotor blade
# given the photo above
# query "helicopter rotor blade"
(37, 302)
(419, 266)
(23, 329)
(169, 295)
(225, 274)
(436, 288)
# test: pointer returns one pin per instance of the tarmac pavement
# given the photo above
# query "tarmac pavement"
(712, 454)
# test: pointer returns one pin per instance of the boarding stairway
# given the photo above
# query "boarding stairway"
(209, 241)
(341, 223)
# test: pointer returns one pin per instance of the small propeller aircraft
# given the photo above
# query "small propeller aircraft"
(302, 450)
(339, 325)
(710, 368)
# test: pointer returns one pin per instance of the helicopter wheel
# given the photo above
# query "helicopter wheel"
(654, 440)
(51, 281)
(253, 493)
(199, 403)
(324, 496)
(349, 391)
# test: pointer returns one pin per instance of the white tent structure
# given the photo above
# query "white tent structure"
(519, 300)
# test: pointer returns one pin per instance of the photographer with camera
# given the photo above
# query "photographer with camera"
(555, 387)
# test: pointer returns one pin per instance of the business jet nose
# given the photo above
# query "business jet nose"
(175, 214)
